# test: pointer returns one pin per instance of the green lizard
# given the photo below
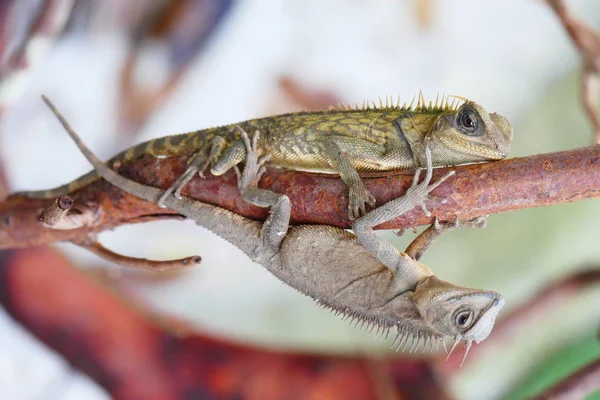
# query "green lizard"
(342, 140)
(362, 277)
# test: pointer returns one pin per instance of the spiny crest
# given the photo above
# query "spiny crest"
(370, 321)
(406, 331)
(442, 103)
(417, 338)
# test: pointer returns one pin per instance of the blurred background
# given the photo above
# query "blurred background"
(130, 70)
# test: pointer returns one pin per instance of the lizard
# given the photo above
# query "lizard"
(344, 140)
(358, 275)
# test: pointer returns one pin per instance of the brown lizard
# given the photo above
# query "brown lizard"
(360, 276)
(342, 140)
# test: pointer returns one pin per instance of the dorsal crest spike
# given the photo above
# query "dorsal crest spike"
(459, 97)
(418, 103)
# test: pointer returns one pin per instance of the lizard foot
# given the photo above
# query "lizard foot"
(419, 193)
(400, 232)
(479, 222)
(254, 166)
(359, 197)
(197, 165)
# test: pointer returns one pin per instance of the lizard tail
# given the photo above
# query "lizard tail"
(165, 146)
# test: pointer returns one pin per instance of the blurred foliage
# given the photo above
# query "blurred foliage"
(562, 363)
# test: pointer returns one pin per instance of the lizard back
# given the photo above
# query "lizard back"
(374, 138)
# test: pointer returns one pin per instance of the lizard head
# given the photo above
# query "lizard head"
(468, 134)
(465, 314)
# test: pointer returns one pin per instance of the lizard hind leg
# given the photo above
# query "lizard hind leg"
(421, 243)
(234, 154)
(276, 225)
(198, 164)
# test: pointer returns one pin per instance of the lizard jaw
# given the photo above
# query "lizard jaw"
(473, 149)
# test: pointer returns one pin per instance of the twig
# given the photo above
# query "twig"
(140, 263)
(305, 98)
(576, 386)
(587, 41)
(474, 191)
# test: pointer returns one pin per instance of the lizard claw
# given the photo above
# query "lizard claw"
(400, 232)
(478, 222)
(416, 176)
(264, 159)
(244, 137)
(177, 192)
(436, 224)
(359, 199)
(420, 192)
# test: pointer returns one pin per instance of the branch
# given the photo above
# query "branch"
(587, 42)
(474, 190)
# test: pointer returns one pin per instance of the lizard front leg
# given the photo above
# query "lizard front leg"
(276, 225)
(400, 264)
(358, 195)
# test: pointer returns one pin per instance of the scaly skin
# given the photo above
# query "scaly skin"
(361, 277)
(345, 141)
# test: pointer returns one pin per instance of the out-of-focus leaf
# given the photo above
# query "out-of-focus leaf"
(182, 28)
(557, 367)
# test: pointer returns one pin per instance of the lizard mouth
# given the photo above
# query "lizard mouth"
(464, 146)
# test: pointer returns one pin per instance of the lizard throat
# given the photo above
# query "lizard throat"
(464, 146)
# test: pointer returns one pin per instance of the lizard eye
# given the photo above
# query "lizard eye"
(467, 122)
(464, 319)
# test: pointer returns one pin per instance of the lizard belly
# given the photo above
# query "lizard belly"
(305, 162)
(313, 160)
(330, 265)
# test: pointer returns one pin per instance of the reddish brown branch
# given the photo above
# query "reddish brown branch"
(474, 191)
(576, 386)
(587, 41)
(140, 263)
